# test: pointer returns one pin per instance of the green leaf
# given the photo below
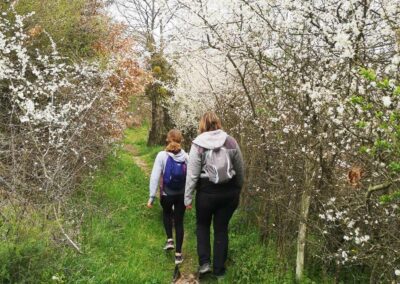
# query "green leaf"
(382, 144)
(387, 198)
(394, 118)
(361, 124)
(396, 91)
(384, 84)
(364, 150)
(368, 74)
(356, 100)
(367, 106)
(383, 125)
(395, 167)
(378, 114)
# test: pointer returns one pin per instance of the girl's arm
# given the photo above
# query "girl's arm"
(155, 176)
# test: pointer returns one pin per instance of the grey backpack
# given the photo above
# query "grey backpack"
(218, 165)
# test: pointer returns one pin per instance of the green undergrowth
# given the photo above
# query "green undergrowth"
(27, 250)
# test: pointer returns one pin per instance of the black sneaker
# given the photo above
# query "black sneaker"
(169, 245)
(204, 268)
(178, 259)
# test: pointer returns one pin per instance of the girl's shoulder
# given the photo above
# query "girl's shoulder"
(161, 154)
(185, 154)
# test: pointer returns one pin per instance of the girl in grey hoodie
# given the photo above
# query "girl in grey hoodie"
(218, 190)
(172, 195)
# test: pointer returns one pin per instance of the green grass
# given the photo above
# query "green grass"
(26, 247)
(138, 138)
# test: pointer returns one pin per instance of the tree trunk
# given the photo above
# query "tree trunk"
(160, 119)
(305, 206)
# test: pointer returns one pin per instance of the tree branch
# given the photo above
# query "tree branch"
(72, 243)
(379, 187)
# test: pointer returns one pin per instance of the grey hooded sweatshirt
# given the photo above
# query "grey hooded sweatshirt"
(158, 170)
(211, 140)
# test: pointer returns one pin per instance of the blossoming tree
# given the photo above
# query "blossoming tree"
(309, 87)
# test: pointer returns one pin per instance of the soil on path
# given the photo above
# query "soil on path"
(138, 159)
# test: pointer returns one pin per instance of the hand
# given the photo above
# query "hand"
(189, 207)
(150, 202)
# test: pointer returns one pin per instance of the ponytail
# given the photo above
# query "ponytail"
(174, 139)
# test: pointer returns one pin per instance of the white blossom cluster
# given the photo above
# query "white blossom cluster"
(60, 115)
(37, 83)
(365, 234)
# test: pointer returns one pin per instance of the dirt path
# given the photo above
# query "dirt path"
(138, 159)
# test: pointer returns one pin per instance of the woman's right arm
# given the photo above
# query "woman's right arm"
(155, 176)
(193, 173)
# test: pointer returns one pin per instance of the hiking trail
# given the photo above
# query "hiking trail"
(137, 159)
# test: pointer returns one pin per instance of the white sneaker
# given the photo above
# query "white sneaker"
(178, 259)
(169, 245)
(205, 268)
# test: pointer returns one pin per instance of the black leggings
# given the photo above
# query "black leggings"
(177, 201)
(219, 207)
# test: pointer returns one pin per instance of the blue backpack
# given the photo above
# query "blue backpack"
(174, 175)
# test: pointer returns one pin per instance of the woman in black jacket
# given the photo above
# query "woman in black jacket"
(216, 170)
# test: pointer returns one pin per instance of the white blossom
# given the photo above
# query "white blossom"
(387, 101)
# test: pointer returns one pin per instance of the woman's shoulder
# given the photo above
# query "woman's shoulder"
(231, 142)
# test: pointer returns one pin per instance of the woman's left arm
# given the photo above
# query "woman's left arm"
(238, 165)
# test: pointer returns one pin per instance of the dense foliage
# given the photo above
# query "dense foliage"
(60, 111)
(310, 88)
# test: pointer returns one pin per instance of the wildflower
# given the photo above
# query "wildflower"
(351, 224)
(386, 101)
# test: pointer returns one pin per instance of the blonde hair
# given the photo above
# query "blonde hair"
(174, 140)
(209, 122)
